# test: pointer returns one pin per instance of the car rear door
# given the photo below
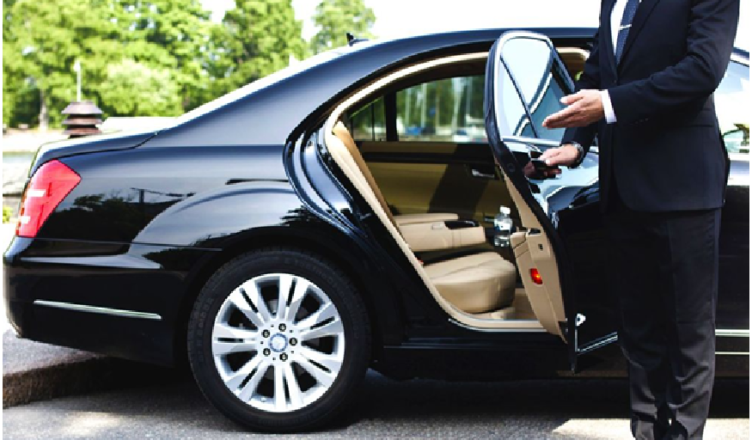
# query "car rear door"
(525, 81)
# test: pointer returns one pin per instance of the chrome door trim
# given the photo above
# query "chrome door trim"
(100, 310)
(532, 141)
(730, 333)
(526, 326)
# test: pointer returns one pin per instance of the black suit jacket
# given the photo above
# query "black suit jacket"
(665, 152)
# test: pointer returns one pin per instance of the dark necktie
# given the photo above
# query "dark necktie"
(626, 24)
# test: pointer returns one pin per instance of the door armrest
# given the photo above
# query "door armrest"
(409, 219)
(438, 235)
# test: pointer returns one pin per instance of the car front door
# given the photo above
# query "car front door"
(525, 81)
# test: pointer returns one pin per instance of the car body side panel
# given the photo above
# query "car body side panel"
(121, 192)
(140, 278)
(733, 273)
(164, 279)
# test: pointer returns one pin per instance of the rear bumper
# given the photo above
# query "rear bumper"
(101, 299)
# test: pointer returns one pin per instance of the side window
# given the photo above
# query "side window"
(731, 107)
(446, 110)
(368, 123)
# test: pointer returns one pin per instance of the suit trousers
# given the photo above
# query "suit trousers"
(663, 273)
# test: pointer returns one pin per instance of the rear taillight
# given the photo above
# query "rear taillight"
(52, 182)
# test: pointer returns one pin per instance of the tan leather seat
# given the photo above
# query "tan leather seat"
(422, 232)
(475, 283)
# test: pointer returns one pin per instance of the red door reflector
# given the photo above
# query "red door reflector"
(52, 182)
(536, 276)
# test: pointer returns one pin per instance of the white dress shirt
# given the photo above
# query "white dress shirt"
(616, 16)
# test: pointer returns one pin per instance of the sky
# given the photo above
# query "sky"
(396, 18)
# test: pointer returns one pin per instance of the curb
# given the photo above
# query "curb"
(54, 381)
(34, 371)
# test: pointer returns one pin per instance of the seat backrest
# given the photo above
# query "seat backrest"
(343, 134)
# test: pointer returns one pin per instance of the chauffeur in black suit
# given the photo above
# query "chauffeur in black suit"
(647, 93)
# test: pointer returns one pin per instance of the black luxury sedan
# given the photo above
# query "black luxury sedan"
(377, 206)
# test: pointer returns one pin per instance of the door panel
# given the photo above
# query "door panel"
(525, 81)
(419, 177)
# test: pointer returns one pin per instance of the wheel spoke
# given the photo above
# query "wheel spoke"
(221, 348)
(247, 391)
(238, 300)
(296, 398)
(323, 313)
(332, 362)
(332, 328)
(227, 331)
(251, 289)
(301, 289)
(234, 380)
(323, 377)
(284, 285)
(280, 400)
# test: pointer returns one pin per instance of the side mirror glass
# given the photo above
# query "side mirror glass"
(529, 62)
(533, 67)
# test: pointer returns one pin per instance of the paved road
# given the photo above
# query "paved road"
(172, 407)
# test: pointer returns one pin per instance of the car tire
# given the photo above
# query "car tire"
(220, 306)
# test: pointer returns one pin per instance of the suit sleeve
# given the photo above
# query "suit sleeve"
(710, 40)
(590, 79)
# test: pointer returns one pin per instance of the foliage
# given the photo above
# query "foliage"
(151, 57)
(168, 35)
(42, 41)
(7, 214)
(257, 38)
(335, 18)
(133, 88)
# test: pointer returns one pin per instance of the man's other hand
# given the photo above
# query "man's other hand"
(584, 108)
(565, 155)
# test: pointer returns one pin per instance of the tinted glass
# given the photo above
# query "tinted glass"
(368, 123)
(510, 113)
(540, 80)
(731, 105)
(446, 110)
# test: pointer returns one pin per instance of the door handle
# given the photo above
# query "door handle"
(481, 175)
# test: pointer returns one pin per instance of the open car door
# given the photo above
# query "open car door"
(525, 80)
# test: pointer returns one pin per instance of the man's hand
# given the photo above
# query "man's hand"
(565, 155)
(585, 107)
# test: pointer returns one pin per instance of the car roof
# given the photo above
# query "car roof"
(266, 111)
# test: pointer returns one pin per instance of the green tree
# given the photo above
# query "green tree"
(139, 57)
(135, 89)
(335, 18)
(42, 40)
(168, 34)
(258, 37)
(161, 39)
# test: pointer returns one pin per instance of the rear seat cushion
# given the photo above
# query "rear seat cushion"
(476, 283)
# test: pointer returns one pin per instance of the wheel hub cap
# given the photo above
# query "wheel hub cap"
(278, 342)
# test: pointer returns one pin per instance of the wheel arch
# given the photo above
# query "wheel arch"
(383, 307)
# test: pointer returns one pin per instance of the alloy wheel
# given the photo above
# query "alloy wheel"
(278, 342)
